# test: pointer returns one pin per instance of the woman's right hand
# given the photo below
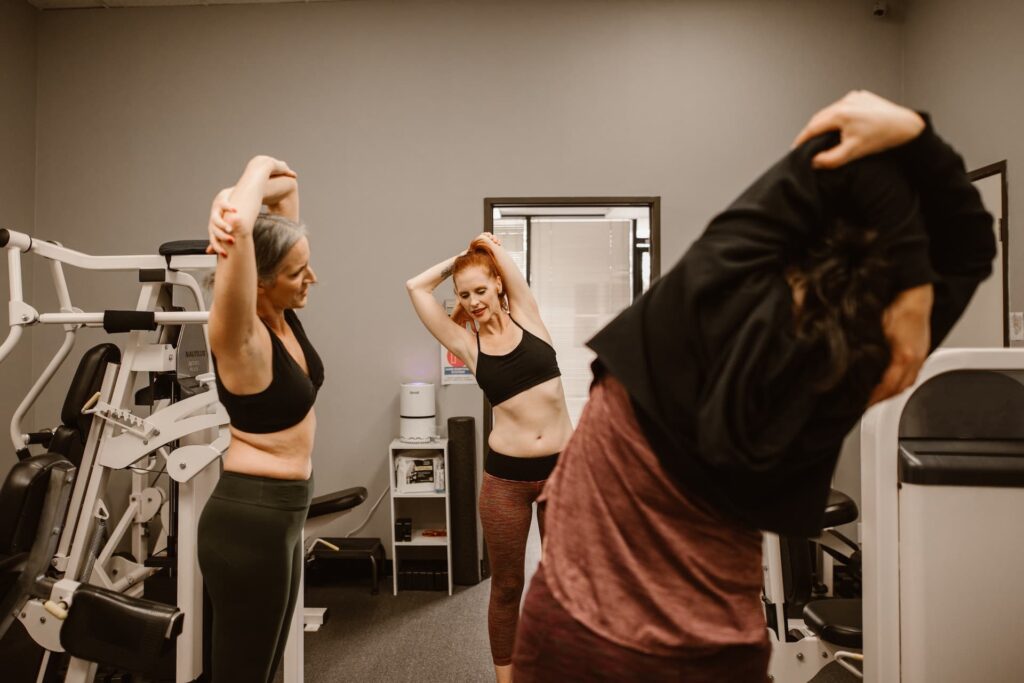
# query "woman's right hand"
(220, 225)
(867, 124)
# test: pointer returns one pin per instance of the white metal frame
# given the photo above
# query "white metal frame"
(880, 506)
(120, 439)
(795, 661)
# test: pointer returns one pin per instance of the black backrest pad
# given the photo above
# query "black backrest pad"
(183, 247)
(67, 441)
(21, 502)
(88, 380)
(797, 570)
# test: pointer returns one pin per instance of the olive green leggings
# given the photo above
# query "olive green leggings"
(250, 553)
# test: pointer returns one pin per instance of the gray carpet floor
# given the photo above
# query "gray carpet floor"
(421, 636)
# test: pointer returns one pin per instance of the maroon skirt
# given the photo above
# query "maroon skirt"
(552, 646)
(636, 570)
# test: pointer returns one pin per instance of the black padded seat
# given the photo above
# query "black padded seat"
(338, 501)
(836, 621)
(11, 567)
(21, 502)
(184, 247)
(840, 509)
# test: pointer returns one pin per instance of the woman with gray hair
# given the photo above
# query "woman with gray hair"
(268, 375)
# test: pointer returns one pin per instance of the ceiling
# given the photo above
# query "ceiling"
(109, 4)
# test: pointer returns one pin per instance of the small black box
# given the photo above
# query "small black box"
(403, 529)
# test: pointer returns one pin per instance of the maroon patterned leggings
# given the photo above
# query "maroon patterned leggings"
(506, 511)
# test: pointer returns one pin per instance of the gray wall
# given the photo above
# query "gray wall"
(17, 186)
(965, 65)
(400, 117)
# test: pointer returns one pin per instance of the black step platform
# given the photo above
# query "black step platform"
(354, 549)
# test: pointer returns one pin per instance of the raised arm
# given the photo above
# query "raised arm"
(233, 321)
(959, 230)
(452, 336)
(520, 298)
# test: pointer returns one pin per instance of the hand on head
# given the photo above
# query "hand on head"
(488, 237)
(220, 226)
(277, 167)
(907, 326)
(224, 215)
(867, 124)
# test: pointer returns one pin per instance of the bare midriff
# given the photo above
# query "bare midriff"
(286, 454)
(533, 423)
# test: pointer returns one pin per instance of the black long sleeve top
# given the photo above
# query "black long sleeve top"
(721, 385)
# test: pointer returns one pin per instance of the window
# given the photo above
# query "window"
(585, 263)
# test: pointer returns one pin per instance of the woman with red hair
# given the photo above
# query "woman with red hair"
(510, 354)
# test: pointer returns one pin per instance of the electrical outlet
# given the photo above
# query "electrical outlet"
(1016, 326)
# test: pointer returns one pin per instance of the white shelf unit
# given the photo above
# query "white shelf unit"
(441, 500)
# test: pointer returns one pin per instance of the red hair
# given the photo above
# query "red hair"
(478, 255)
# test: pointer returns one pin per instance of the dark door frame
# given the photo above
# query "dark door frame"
(999, 168)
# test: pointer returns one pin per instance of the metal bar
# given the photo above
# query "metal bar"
(18, 436)
(60, 285)
(95, 319)
(81, 485)
(16, 297)
(60, 253)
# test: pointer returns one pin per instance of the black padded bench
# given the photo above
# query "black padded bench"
(339, 501)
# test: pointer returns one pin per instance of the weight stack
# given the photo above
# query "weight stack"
(462, 498)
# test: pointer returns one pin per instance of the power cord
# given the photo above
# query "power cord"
(368, 516)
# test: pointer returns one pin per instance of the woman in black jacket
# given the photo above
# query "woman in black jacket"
(722, 396)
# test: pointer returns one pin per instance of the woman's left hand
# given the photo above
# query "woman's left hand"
(220, 225)
(488, 237)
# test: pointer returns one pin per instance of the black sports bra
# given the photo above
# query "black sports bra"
(291, 393)
(532, 362)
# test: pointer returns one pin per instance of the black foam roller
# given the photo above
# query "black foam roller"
(462, 498)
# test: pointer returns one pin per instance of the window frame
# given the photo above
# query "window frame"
(653, 243)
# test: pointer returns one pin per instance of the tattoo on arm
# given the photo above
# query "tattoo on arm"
(446, 273)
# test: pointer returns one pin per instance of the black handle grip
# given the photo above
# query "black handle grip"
(41, 437)
(127, 321)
